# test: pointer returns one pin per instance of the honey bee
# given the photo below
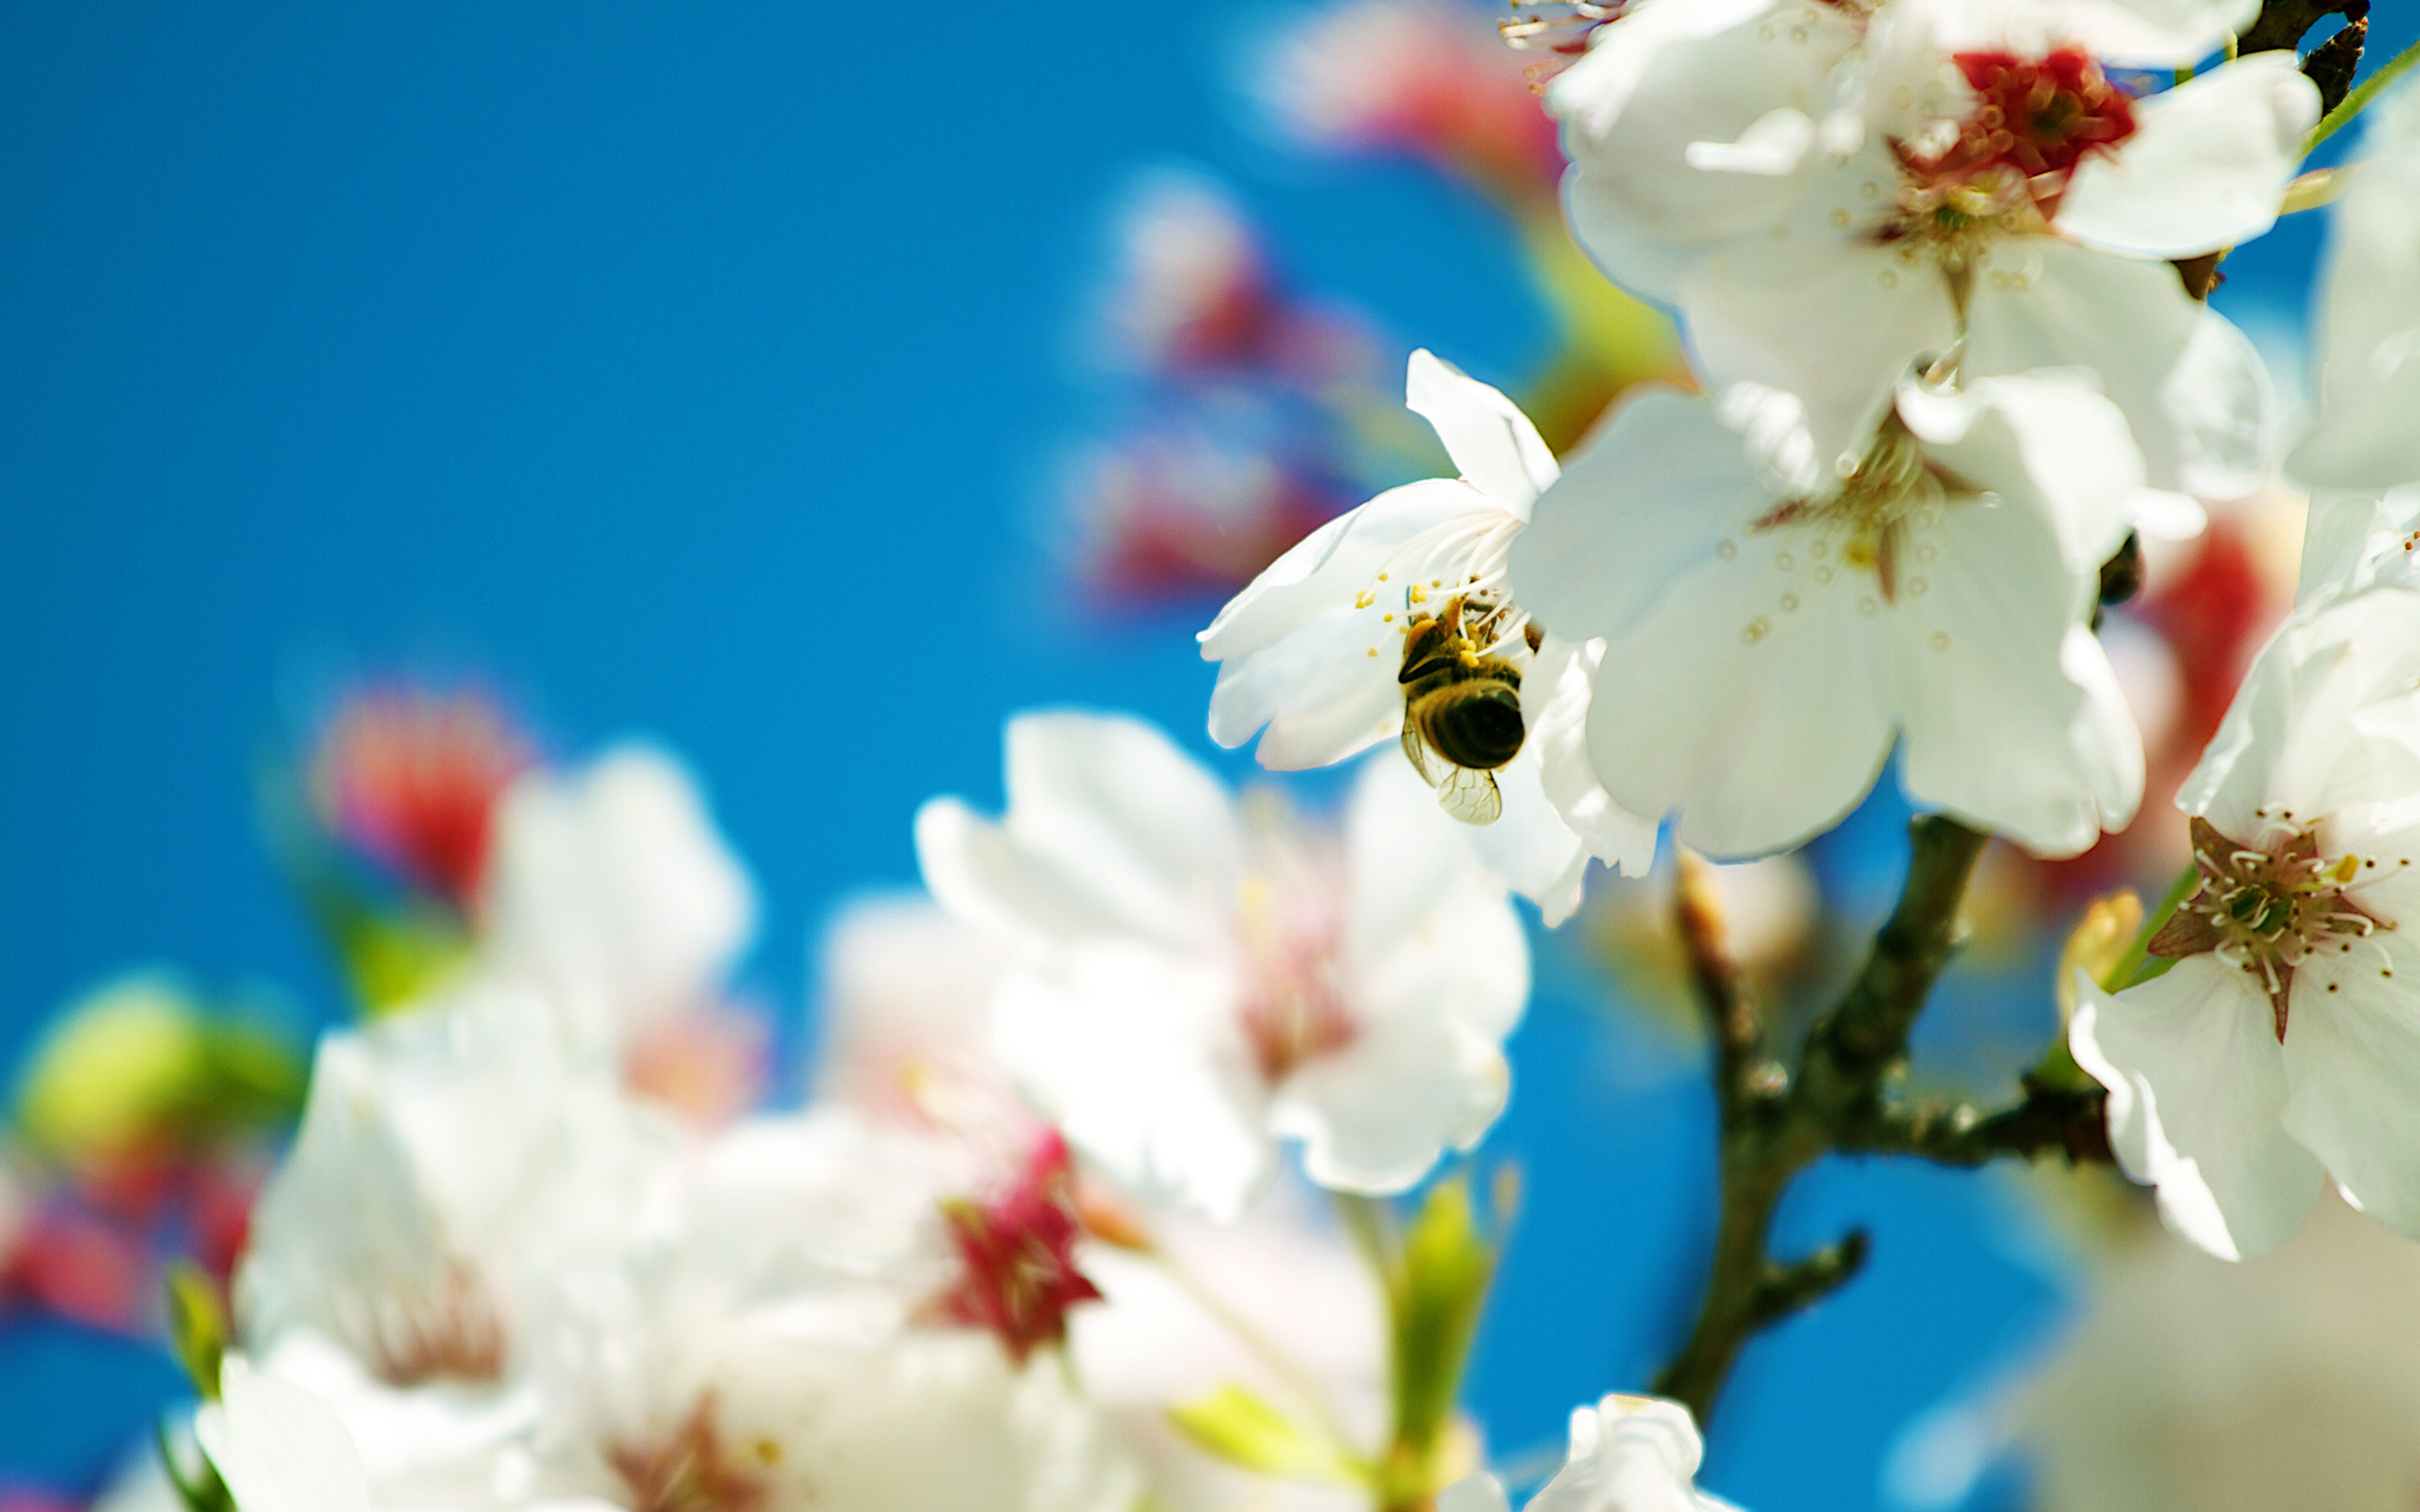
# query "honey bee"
(1462, 715)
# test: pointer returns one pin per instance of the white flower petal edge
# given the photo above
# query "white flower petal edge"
(1764, 642)
(2136, 33)
(2197, 1082)
(279, 1448)
(1627, 1454)
(611, 887)
(1309, 652)
(2370, 315)
(2281, 1042)
(2206, 167)
(1270, 984)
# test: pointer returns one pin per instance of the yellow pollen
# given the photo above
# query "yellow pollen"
(1420, 594)
(1364, 599)
(1388, 617)
(2343, 870)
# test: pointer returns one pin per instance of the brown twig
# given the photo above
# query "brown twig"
(1774, 1126)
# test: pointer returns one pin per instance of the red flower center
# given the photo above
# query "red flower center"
(1018, 1252)
(2032, 116)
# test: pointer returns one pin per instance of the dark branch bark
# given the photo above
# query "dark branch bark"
(1773, 1128)
(2283, 23)
(2047, 1122)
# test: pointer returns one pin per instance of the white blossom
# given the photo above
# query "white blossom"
(2362, 460)
(277, 1448)
(1203, 977)
(1825, 197)
(771, 1341)
(2282, 1043)
(612, 889)
(1628, 1454)
(1773, 629)
(1312, 653)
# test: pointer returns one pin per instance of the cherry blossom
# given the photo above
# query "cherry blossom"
(2280, 1044)
(1628, 1454)
(1202, 977)
(1825, 197)
(1312, 655)
(1772, 630)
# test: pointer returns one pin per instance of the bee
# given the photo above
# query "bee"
(1462, 715)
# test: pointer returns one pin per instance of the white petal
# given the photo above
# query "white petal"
(1474, 1494)
(2196, 1085)
(278, 1447)
(1628, 1454)
(614, 881)
(2352, 1058)
(1650, 497)
(1761, 724)
(2295, 740)
(1111, 804)
(2134, 33)
(1831, 317)
(1330, 565)
(1322, 694)
(1294, 644)
(2040, 302)
(2370, 314)
(1554, 694)
(2048, 446)
(1375, 1116)
(1427, 924)
(2220, 404)
(1673, 81)
(2352, 539)
(2207, 164)
(1996, 729)
(1529, 846)
(1491, 441)
(1135, 1054)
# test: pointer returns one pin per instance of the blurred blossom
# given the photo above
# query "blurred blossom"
(1202, 977)
(1628, 1454)
(709, 1065)
(2190, 1384)
(1184, 510)
(611, 889)
(1427, 79)
(905, 1009)
(408, 775)
(1243, 405)
(1170, 1334)
(1193, 294)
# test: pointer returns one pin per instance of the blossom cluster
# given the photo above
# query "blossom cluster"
(1048, 1236)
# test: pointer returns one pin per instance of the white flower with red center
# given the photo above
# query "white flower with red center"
(2283, 1041)
(1314, 656)
(1772, 630)
(1828, 197)
(818, 1314)
(1628, 1454)
(447, 1158)
(1202, 977)
(2362, 460)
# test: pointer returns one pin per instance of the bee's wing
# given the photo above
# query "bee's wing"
(1471, 797)
(1433, 767)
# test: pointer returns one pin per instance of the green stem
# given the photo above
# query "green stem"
(2393, 69)
(2123, 975)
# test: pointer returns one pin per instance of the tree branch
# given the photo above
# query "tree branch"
(1773, 1128)
(2048, 1120)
